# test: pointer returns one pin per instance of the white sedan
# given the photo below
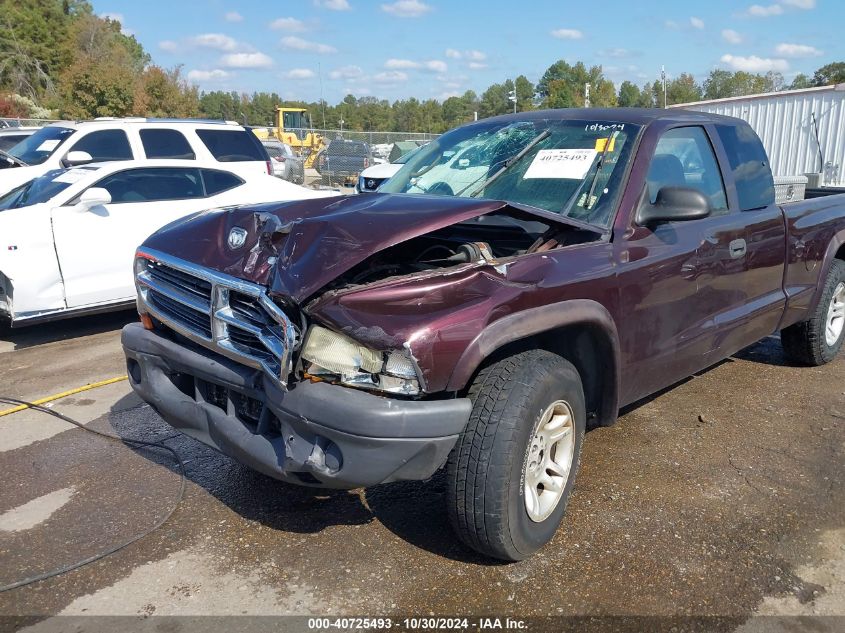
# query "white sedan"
(68, 238)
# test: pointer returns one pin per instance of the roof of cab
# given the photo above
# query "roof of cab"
(635, 116)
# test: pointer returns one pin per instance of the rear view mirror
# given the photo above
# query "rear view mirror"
(94, 197)
(78, 158)
(675, 204)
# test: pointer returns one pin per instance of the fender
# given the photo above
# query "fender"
(835, 244)
(541, 320)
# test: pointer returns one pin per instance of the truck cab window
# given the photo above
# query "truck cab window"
(755, 186)
(684, 157)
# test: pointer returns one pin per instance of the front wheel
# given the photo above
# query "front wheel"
(818, 339)
(511, 473)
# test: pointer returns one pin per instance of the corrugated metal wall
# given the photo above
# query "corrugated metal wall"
(785, 125)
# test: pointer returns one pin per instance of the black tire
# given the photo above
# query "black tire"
(805, 342)
(485, 471)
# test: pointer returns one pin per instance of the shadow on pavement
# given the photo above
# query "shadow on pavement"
(41, 333)
(413, 511)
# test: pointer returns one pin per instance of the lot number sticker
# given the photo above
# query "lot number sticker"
(571, 164)
(48, 145)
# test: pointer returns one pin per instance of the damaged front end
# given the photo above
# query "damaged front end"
(315, 341)
(380, 293)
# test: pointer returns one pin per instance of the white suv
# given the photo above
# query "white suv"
(66, 144)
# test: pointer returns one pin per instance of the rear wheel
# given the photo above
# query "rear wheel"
(511, 473)
(817, 340)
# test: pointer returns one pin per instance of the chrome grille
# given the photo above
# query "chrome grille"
(228, 315)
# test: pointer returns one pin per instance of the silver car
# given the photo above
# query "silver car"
(286, 164)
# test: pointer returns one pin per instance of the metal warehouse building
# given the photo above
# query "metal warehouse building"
(803, 130)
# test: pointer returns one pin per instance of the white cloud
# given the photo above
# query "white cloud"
(299, 44)
(760, 11)
(754, 64)
(401, 64)
(333, 5)
(288, 24)
(800, 4)
(208, 75)
(246, 60)
(168, 46)
(731, 36)
(233, 16)
(346, 72)
(697, 23)
(476, 65)
(671, 24)
(406, 8)
(567, 34)
(473, 55)
(390, 77)
(299, 73)
(433, 65)
(797, 50)
(217, 41)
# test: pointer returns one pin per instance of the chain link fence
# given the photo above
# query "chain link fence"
(6, 122)
(342, 155)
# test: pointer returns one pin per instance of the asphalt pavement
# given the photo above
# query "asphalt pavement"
(722, 496)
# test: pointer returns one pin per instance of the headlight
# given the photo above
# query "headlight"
(333, 354)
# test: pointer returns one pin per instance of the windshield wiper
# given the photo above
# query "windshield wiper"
(599, 169)
(510, 162)
(13, 159)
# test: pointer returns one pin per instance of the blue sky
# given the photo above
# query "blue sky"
(436, 48)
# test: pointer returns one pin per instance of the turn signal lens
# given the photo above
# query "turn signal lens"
(147, 321)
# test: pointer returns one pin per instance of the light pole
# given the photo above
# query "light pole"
(663, 78)
(512, 97)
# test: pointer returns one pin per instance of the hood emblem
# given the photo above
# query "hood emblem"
(237, 238)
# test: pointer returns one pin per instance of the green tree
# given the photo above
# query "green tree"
(524, 94)
(682, 89)
(828, 74)
(31, 37)
(722, 83)
(563, 85)
(495, 100)
(801, 81)
(163, 93)
(629, 95)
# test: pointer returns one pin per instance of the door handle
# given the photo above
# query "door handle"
(737, 248)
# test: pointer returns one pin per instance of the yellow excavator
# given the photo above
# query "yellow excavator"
(293, 127)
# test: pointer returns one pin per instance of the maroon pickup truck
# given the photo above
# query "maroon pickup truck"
(518, 281)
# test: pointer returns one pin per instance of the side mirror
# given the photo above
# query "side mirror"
(93, 197)
(77, 157)
(675, 204)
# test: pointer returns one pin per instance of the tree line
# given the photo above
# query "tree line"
(59, 60)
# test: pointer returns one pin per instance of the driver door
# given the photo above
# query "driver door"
(96, 247)
(679, 281)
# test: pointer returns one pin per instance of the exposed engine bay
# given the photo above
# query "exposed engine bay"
(494, 238)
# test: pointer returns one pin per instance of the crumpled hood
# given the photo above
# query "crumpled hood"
(296, 248)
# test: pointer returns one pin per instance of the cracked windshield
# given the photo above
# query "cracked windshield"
(569, 167)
